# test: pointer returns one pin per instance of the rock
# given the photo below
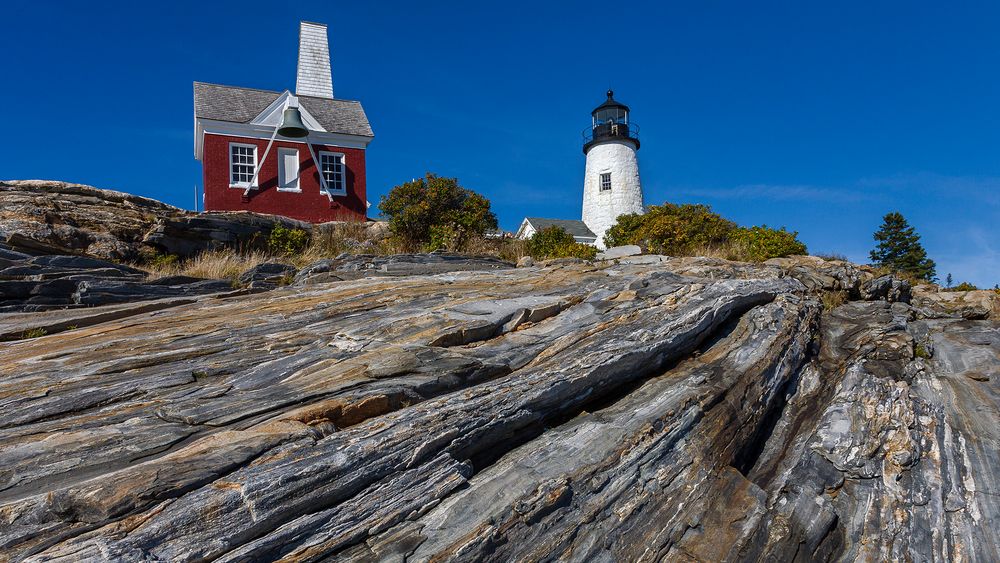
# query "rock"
(525, 262)
(92, 293)
(38, 283)
(619, 252)
(936, 303)
(191, 234)
(353, 266)
(377, 230)
(470, 410)
(19, 325)
(47, 217)
(819, 274)
(268, 275)
(61, 218)
(646, 259)
(886, 288)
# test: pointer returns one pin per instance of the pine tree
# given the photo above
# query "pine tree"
(947, 280)
(899, 249)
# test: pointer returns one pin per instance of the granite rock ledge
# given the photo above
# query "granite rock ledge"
(669, 409)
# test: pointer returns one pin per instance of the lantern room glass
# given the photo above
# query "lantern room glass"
(610, 115)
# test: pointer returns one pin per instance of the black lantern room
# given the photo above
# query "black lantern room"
(610, 122)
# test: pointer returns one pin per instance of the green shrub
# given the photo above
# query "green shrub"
(436, 212)
(964, 286)
(286, 241)
(162, 261)
(921, 351)
(763, 243)
(685, 230)
(671, 229)
(555, 242)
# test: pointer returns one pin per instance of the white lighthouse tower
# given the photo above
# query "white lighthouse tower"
(611, 182)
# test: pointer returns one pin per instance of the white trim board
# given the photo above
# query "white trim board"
(272, 114)
(211, 127)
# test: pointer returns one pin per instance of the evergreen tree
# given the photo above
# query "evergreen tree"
(947, 280)
(899, 248)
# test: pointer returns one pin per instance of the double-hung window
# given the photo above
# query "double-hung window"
(606, 182)
(333, 171)
(242, 163)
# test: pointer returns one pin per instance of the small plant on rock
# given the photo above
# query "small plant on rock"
(964, 286)
(285, 241)
(833, 299)
(34, 333)
(163, 261)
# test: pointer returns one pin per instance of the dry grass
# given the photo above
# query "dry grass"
(331, 242)
(730, 250)
(216, 265)
(833, 299)
(508, 249)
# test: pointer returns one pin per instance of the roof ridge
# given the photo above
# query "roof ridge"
(239, 87)
(274, 91)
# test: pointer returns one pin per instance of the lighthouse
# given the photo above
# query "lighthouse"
(611, 184)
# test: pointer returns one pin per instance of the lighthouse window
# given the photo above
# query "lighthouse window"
(332, 167)
(242, 163)
(606, 182)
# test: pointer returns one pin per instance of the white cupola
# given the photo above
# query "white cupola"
(611, 184)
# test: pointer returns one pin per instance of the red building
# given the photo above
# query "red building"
(299, 155)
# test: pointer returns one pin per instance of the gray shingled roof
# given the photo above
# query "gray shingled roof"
(575, 227)
(241, 105)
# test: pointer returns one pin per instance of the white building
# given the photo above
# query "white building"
(611, 185)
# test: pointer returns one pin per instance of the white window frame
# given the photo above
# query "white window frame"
(253, 167)
(330, 186)
(601, 178)
(282, 152)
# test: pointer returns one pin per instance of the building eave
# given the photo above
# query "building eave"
(253, 131)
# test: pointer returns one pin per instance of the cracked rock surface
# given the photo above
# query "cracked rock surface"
(446, 409)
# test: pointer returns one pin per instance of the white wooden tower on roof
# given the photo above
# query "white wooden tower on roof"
(313, 76)
(611, 184)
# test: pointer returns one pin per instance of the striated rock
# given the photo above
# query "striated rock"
(268, 275)
(819, 274)
(354, 266)
(619, 252)
(62, 218)
(885, 288)
(191, 234)
(47, 217)
(439, 407)
(935, 303)
(39, 283)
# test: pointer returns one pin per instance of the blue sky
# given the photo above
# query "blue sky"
(820, 117)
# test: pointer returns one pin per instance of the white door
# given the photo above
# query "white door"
(288, 170)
